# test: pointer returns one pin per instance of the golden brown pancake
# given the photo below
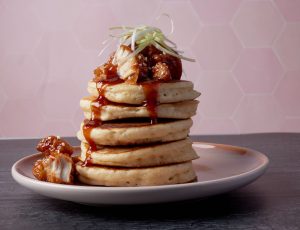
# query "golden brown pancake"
(168, 92)
(138, 133)
(179, 110)
(112, 176)
(141, 156)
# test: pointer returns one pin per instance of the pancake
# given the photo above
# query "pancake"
(143, 156)
(162, 175)
(138, 133)
(179, 110)
(168, 92)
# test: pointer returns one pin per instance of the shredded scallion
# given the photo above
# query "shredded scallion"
(138, 38)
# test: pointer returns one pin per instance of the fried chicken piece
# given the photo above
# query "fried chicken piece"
(127, 67)
(54, 144)
(106, 72)
(55, 168)
(100, 73)
(155, 56)
(39, 171)
(149, 64)
(57, 165)
(161, 72)
(144, 70)
(173, 63)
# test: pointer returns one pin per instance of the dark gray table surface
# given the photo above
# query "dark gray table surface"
(271, 202)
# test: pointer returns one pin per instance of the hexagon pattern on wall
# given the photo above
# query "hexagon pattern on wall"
(216, 48)
(248, 60)
(257, 23)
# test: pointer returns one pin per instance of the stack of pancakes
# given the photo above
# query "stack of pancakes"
(142, 137)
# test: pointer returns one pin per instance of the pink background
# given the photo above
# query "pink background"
(247, 51)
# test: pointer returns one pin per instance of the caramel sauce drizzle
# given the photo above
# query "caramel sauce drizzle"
(96, 106)
(151, 101)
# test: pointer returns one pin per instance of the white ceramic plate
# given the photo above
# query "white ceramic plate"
(220, 168)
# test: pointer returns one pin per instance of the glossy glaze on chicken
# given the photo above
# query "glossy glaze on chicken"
(57, 165)
(150, 64)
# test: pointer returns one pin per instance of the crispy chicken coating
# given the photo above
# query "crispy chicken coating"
(54, 144)
(57, 165)
(161, 72)
(144, 69)
(39, 171)
(128, 67)
(55, 168)
(156, 56)
(107, 71)
(173, 63)
(149, 64)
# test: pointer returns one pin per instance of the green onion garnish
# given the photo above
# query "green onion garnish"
(138, 38)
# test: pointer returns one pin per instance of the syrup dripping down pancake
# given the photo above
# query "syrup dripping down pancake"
(113, 111)
(168, 92)
(135, 133)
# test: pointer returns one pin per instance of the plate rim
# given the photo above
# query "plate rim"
(260, 168)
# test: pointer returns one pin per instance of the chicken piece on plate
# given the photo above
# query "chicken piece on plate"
(57, 165)
(55, 168)
(54, 144)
